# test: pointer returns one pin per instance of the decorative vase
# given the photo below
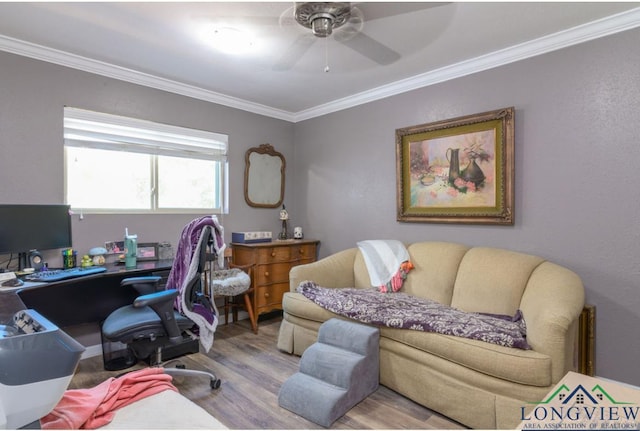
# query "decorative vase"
(284, 234)
(284, 216)
(473, 173)
(454, 164)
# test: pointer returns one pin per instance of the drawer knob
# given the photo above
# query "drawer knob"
(273, 254)
(266, 294)
(266, 273)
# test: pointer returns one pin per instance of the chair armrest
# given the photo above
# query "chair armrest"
(154, 298)
(162, 303)
(143, 285)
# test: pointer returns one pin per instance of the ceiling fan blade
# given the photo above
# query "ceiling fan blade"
(370, 48)
(377, 10)
(294, 52)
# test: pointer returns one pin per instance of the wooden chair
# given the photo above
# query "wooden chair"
(234, 296)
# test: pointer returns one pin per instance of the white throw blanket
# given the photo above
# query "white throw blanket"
(383, 258)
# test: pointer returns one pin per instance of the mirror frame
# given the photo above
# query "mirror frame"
(266, 149)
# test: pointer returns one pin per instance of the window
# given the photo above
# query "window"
(119, 164)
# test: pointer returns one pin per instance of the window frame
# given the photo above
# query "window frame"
(82, 129)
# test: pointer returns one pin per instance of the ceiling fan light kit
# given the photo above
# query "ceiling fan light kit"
(231, 40)
(322, 17)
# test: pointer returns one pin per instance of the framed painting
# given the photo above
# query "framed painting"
(458, 170)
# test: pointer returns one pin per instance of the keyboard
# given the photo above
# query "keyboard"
(63, 274)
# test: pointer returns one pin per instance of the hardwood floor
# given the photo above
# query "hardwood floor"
(252, 370)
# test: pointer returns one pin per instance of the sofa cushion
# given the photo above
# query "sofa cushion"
(297, 305)
(435, 267)
(360, 272)
(402, 311)
(491, 280)
(521, 366)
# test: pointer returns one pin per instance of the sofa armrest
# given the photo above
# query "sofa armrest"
(332, 271)
(551, 306)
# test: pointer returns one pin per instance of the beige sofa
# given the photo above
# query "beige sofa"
(478, 384)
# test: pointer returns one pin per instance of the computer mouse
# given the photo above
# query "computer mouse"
(12, 282)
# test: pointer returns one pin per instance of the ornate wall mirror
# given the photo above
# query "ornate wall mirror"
(264, 177)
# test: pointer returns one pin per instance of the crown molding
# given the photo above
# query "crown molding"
(62, 58)
(573, 36)
(600, 28)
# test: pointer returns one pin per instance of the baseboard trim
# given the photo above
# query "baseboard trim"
(92, 351)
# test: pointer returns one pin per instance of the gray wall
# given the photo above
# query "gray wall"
(577, 128)
(32, 97)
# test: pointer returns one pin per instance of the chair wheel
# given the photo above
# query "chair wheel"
(215, 383)
(181, 366)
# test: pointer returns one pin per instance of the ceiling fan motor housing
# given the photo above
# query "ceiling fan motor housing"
(322, 17)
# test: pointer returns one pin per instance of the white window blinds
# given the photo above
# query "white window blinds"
(90, 129)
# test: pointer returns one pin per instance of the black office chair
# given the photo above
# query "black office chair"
(151, 322)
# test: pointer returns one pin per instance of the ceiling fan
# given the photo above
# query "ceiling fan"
(323, 17)
(345, 22)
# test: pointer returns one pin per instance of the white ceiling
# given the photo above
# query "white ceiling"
(166, 45)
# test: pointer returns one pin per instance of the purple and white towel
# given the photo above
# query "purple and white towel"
(402, 311)
(185, 267)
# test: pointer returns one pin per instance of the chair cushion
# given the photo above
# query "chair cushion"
(128, 323)
(229, 282)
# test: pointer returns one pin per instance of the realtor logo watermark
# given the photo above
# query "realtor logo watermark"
(579, 408)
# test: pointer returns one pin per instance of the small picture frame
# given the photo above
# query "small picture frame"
(114, 247)
(147, 251)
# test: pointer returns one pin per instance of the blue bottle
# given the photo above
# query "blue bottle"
(130, 249)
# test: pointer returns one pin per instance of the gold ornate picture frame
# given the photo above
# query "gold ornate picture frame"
(264, 177)
(587, 341)
(458, 170)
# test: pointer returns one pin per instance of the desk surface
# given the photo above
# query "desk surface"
(112, 269)
(79, 300)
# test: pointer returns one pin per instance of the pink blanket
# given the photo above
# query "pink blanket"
(95, 407)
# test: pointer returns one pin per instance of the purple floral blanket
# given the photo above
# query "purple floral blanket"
(402, 311)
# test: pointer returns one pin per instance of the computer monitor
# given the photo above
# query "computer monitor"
(34, 227)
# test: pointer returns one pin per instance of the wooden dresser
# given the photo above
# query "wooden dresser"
(270, 265)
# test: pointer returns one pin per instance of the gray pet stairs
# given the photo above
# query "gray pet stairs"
(336, 373)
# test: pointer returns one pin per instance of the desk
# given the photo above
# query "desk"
(87, 299)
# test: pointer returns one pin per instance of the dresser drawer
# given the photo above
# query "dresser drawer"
(305, 253)
(290, 253)
(273, 254)
(273, 273)
(270, 296)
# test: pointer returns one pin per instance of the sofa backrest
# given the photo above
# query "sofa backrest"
(492, 280)
(360, 272)
(436, 265)
(478, 279)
